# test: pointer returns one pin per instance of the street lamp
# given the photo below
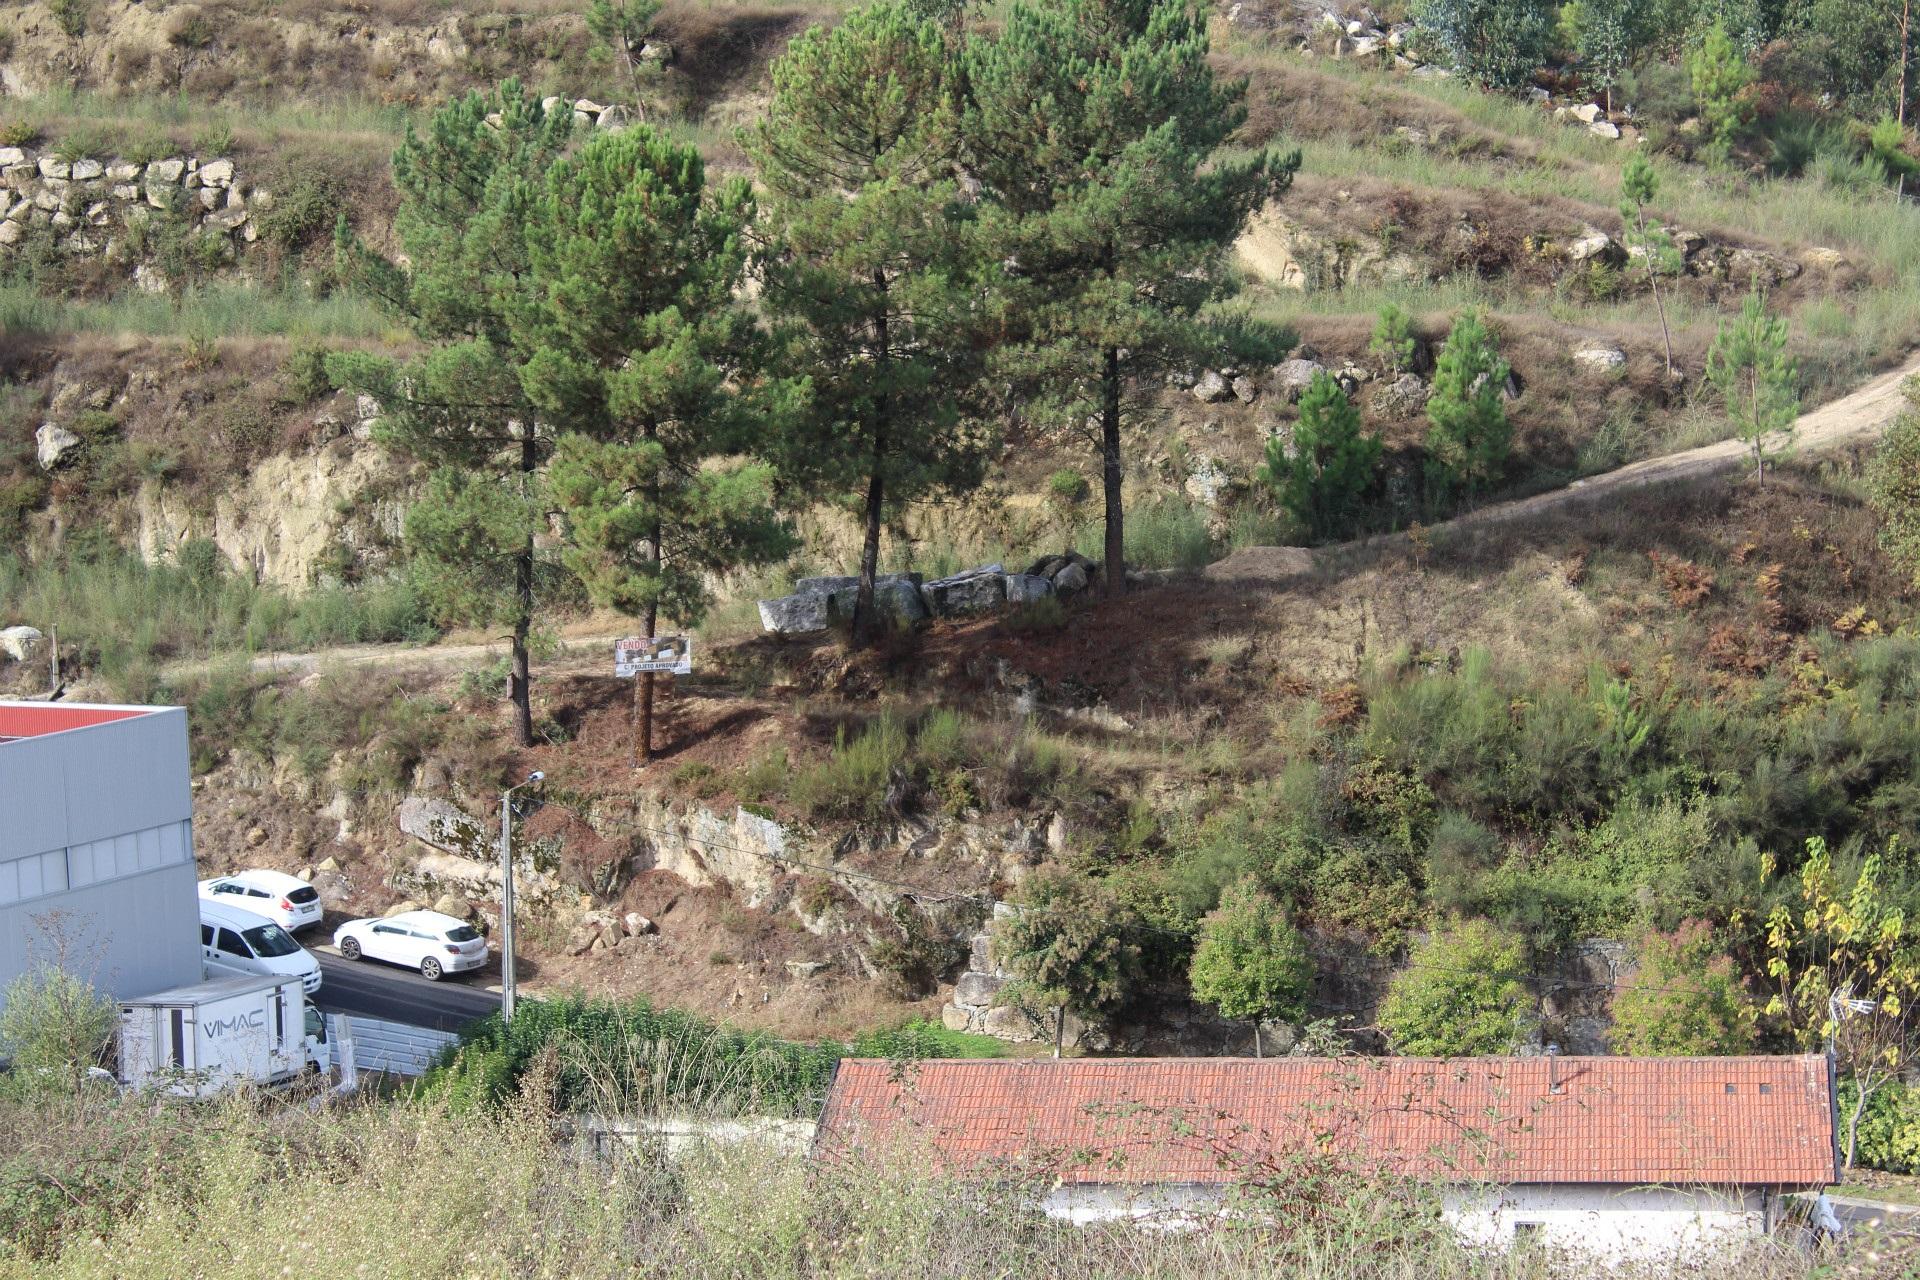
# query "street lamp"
(506, 894)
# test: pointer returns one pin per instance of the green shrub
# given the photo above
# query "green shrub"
(56, 1022)
(628, 1057)
(1251, 963)
(918, 1039)
(85, 145)
(853, 782)
(1321, 475)
(1685, 999)
(1068, 485)
(1460, 995)
(1393, 343)
(303, 376)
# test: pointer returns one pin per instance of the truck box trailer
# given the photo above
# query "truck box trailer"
(200, 1040)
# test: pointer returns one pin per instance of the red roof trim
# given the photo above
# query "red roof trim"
(1627, 1121)
(34, 720)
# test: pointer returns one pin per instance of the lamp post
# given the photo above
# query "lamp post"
(506, 894)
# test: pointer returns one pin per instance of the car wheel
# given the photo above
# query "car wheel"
(430, 969)
(350, 948)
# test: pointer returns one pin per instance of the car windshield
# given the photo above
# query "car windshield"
(461, 933)
(270, 941)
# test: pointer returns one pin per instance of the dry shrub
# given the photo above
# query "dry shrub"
(1687, 583)
(1342, 705)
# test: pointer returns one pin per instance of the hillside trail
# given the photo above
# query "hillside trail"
(1860, 414)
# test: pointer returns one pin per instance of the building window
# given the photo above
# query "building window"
(96, 862)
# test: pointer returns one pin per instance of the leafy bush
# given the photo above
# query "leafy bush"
(1684, 1000)
(1320, 476)
(629, 1057)
(1460, 995)
(918, 1038)
(1068, 485)
(55, 1022)
(1251, 963)
(303, 376)
(1495, 43)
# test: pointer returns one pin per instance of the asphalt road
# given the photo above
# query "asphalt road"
(370, 989)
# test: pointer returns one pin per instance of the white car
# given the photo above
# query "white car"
(288, 901)
(429, 941)
(239, 942)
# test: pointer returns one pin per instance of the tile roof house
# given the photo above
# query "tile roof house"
(1615, 1156)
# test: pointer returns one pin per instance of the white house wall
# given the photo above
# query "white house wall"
(1612, 1222)
(1603, 1222)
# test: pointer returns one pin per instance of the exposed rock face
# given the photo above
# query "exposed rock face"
(818, 603)
(1590, 244)
(1207, 481)
(979, 590)
(52, 444)
(795, 615)
(1293, 377)
(1404, 397)
(1600, 358)
(1281, 251)
(21, 643)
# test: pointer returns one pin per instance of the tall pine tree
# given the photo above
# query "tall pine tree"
(638, 354)
(1094, 128)
(465, 185)
(869, 265)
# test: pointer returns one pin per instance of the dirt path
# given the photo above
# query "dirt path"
(1862, 414)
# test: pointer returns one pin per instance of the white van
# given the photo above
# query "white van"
(239, 942)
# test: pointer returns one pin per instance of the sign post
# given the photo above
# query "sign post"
(641, 658)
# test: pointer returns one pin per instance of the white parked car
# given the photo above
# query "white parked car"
(288, 901)
(429, 941)
(234, 941)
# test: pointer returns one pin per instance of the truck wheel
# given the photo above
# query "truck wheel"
(430, 969)
(350, 948)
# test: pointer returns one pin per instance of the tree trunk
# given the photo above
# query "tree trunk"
(1666, 334)
(520, 679)
(863, 619)
(1259, 1050)
(1059, 1027)
(1110, 475)
(1860, 1096)
(643, 685)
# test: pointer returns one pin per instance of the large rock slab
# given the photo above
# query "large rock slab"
(896, 596)
(978, 590)
(796, 615)
(1025, 588)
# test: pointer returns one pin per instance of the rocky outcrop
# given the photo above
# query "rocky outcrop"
(22, 644)
(1285, 252)
(820, 603)
(53, 445)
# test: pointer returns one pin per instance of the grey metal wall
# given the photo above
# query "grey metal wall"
(96, 856)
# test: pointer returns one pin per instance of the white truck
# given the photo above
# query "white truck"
(198, 1041)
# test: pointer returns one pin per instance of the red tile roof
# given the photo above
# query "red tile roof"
(34, 719)
(1631, 1121)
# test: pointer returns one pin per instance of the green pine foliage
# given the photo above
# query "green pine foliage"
(1684, 999)
(1461, 995)
(1721, 78)
(466, 187)
(1322, 474)
(871, 267)
(1758, 382)
(1393, 343)
(1498, 44)
(1096, 129)
(1251, 963)
(620, 29)
(638, 354)
(1893, 484)
(1649, 242)
(1468, 437)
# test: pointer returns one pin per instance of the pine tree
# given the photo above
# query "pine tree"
(1757, 380)
(638, 354)
(1094, 128)
(1469, 437)
(1251, 963)
(1649, 242)
(465, 185)
(1393, 343)
(1720, 76)
(869, 262)
(621, 28)
(1320, 476)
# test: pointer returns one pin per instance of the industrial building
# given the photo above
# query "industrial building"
(96, 845)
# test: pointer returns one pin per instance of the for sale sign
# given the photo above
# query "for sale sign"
(670, 655)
